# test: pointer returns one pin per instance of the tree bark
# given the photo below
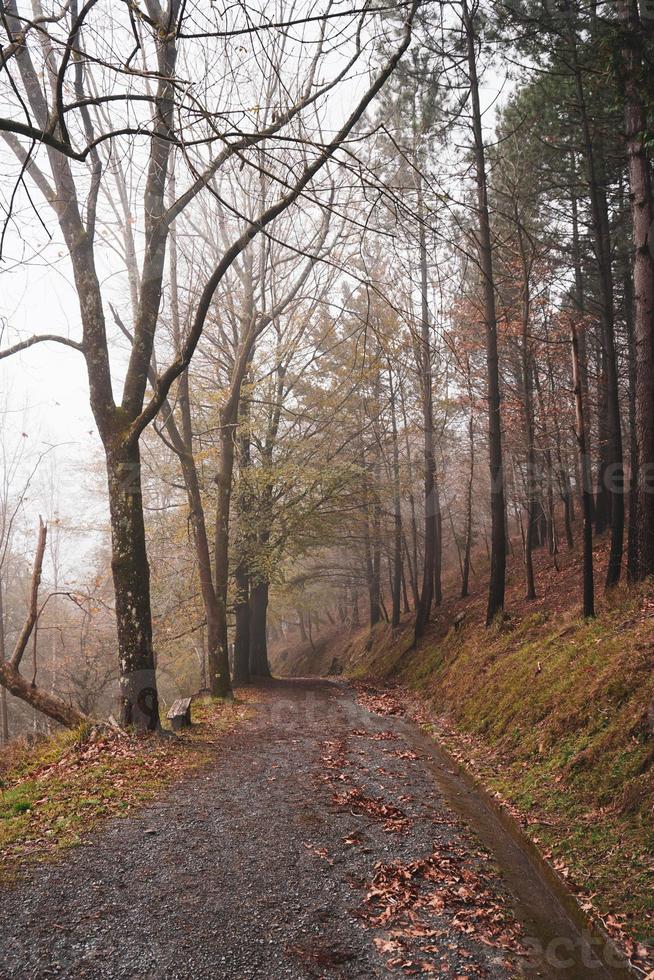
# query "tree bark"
(498, 534)
(632, 527)
(241, 575)
(412, 554)
(642, 213)
(423, 363)
(396, 578)
(528, 408)
(465, 573)
(242, 627)
(588, 581)
(580, 304)
(259, 666)
(219, 663)
(611, 474)
(48, 704)
(131, 576)
(4, 707)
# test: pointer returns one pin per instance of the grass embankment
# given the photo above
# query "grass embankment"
(551, 713)
(54, 792)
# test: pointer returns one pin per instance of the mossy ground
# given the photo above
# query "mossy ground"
(551, 713)
(54, 792)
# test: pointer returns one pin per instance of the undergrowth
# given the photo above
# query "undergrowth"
(551, 712)
(56, 791)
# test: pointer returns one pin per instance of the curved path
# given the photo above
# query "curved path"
(322, 842)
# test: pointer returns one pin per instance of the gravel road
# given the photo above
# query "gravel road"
(317, 844)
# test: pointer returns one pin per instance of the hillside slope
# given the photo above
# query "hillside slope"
(551, 712)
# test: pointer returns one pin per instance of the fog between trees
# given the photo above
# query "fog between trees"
(363, 300)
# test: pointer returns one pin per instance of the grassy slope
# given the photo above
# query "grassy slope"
(551, 713)
(61, 788)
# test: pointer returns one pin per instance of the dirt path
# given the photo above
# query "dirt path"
(324, 842)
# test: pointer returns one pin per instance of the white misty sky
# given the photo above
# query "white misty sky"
(45, 388)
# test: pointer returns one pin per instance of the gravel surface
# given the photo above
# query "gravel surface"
(316, 845)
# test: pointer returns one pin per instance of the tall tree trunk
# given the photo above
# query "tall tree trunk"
(562, 474)
(405, 594)
(467, 550)
(423, 363)
(396, 577)
(412, 578)
(589, 587)
(528, 407)
(4, 707)
(181, 440)
(412, 555)
(131, 576)
(259, 666)
(602, 501)
(580, 304)
(241, 574)
(242, 625)
(438, 544)
(370, 540)
(219, 664)
(642, 212)
(612, 476)
(498, 534)
(375, 581)
(374, 608)
(632, 528)
(550, 517)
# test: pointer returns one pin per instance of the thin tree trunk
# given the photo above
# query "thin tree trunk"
(219, 662)
(369, 545)
(405, 594)
(563, 477)
(356, 617)
(181, 440)
(412, 556)
(10, 676)
(581, 308)
(588, 581)
(498, 535)
(241, 576)
(465, 575)
(4, 708)
(529, 423)
(412, 578)
(423, 363)
(397, 571)
(375, 590)
(550, 517)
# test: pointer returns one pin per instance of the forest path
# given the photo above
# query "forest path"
(322, 842)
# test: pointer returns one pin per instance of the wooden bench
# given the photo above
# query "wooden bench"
(179, 715)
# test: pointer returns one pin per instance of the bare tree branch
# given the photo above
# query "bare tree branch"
(40, 339)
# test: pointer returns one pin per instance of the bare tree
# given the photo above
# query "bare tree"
(10, 675)
(120, 424)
